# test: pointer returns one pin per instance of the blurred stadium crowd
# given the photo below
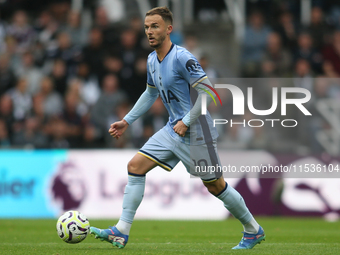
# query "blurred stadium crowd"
(64, 79)
(276, 45)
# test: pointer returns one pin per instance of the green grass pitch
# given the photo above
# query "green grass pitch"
(283, 236)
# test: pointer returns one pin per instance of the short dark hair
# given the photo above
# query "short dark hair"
(164, 12)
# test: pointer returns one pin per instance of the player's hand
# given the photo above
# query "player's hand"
(118, 128)
(180, 128)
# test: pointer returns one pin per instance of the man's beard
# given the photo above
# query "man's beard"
(161, 40)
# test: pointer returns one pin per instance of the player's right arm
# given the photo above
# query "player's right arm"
(143, 104)
(118, 128)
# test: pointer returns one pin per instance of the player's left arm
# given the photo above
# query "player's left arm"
(195, 111)
(193, 73)
(182, 126)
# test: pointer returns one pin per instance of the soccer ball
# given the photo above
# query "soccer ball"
(73, 227)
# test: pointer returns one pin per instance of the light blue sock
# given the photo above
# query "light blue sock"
(234, 202)
(133, 195)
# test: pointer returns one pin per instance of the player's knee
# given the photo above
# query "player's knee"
(212, 188)
(132, 167)
(215, 187)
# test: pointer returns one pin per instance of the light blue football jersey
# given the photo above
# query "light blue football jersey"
(174, 78)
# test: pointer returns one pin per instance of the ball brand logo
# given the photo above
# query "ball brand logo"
(67, 187)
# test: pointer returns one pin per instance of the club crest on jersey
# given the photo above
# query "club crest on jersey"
(192, 65)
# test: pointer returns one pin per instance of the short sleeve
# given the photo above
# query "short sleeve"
(189, 68)
(149, 80)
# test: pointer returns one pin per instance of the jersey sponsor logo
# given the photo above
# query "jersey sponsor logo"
(192, 65)
(171, 96)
